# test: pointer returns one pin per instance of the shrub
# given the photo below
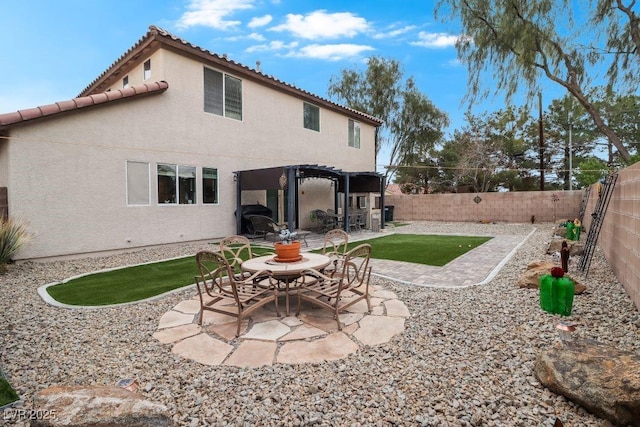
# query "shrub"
(13, 235)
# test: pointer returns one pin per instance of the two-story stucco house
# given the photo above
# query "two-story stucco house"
(167, 144)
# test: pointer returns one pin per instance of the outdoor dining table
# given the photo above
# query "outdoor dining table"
(286, 272)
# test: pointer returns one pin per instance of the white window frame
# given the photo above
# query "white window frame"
(221, 107)
(125, 82)
(178, 171)
(217, 186)
(135, 178)
(308, 109)
(354, 134)
(146, 67)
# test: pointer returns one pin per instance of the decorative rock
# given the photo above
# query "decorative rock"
(80, 406)
(575, 248)
(602, 379)
(530, 279)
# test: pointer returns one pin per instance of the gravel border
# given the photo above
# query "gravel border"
(466, 356)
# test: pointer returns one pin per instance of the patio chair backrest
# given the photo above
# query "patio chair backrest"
(355, 268)
(335, 243)
(234, 248)
(216, 274)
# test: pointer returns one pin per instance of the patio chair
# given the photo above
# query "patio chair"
(264, 226)
(236, 249)
(349, 285)
(221, 292)
(325, 222)
(354, 221)
(335, 246)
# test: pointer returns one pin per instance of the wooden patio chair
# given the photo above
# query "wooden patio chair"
(264, 226)
(221, 292)
(349, 285)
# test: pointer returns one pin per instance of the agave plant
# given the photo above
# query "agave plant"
(13, 235)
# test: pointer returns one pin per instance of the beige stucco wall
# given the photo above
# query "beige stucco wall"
(620, 233)
(517, 206)
(66, 175)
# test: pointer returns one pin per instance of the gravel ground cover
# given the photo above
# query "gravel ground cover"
(465, 358)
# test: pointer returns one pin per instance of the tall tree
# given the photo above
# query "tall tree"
(621, 24)
(520, 41)
(491, 152)
(375, 91)
(412, 123)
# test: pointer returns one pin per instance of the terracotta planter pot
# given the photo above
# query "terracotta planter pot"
(288, 252)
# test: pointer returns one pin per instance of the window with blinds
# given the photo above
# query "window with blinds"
(137, 183)
(222, 94)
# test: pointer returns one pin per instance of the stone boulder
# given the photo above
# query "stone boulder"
(603, 380)
(575, 248)
(81, 406)
(530, 279)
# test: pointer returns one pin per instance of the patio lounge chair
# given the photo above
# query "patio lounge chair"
(347, 286)
(325, 221)
(265, 226)
(221, 292)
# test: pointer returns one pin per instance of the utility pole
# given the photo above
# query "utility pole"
(540, 130)
(570, 154)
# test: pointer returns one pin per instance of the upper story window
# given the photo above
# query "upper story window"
(354, 134)
(147, 69)
(222, 94)
(311, 117)
(125, 82)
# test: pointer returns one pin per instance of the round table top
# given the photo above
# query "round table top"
(309, 260)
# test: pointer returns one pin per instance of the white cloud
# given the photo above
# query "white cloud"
(331, 52)
(275, 45)
(393, 32)
(260, 21)
(213, 13)
(256, 36)
(323, 25)
(435, 40)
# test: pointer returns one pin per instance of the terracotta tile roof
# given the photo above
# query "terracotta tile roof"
(21, 116)
(156, 37)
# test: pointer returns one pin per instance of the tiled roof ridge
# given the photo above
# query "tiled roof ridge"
(80, 102)
(155, 30)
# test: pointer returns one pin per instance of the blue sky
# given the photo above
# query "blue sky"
(52, 50)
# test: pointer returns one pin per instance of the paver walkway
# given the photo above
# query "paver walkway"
(313, 336)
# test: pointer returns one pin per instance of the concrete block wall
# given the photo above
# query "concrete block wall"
(514, 207)
(619, 236)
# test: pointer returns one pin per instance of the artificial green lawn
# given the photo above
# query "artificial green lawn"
(7, 393)
(421, 249)
(130, 283)
(148, 280)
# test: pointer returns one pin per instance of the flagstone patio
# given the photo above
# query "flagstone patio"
(266, 339)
